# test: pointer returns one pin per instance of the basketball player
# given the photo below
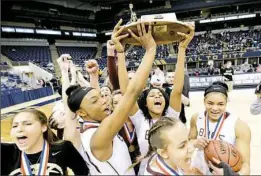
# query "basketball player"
(154, 102)
(227, 74)
(106, 152)
(35, 151)
(128, 132)
(215, 123)
(169, 149)
(171, 153)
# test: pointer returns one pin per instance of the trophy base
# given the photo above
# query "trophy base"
(163, 32)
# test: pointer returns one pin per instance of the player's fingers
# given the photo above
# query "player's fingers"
(117, 25)
(139, 29)
(217, 161)
(149, 30)
(143, 28)
(133, 35)
(119, 31)
(122, 36)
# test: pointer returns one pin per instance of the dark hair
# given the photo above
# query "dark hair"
(60, 92)
(220, 83)
(142, 102)
(216, 88)
(48, 135)
(76, 94)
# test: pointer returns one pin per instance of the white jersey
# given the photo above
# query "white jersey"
(153, 169)
(224, 131)
(117, 164)
(142, 127)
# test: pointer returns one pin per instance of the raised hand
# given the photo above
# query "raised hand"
(64, 62)
(187, 37)
(116, 37)
(145, 38)
(92, 66)
(110, 48)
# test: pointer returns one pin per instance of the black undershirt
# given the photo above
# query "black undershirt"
(61, 156)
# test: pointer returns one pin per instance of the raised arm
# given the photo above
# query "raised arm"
(123, 77)
(175, 96)
(101, 143)
(111, 65)
(92, 68)
(73, 73)
(70, 132)
(81, 80)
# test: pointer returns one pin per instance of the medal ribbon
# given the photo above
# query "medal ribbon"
(162, 165)
(130, 135)
(218, 127)
(25, 166)
(87, 125)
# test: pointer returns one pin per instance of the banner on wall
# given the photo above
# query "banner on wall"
(196, 58)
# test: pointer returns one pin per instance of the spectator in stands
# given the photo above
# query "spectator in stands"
(255, 107)
(228, 73)
(211, 69)
(245, 67)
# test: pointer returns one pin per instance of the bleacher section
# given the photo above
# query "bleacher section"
(38, 54)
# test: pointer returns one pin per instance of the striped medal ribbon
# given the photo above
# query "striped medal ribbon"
(25, 166)
(87, 125)
(167, 170)
(218, 127)
(130, 135)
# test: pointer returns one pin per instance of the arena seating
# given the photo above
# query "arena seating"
(209, 43)
(27, 53)
(104, 51)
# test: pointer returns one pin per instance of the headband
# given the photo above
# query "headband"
(76, 96)
(215, 88)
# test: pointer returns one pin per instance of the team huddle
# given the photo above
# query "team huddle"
(127, 127)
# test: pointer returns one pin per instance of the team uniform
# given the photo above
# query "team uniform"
(157, 166)
(117, 164)
(223, 129)
(56, 158)
(142, 127)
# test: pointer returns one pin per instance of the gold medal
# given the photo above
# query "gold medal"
(132, 148)
(36, 168)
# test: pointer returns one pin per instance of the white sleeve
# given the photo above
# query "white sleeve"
(137, 119)
(172, 113)
(86, 139)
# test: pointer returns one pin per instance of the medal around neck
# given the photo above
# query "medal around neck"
(164, 28)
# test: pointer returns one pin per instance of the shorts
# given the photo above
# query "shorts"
(230, 85)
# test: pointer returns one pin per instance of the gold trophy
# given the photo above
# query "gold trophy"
(164, 27)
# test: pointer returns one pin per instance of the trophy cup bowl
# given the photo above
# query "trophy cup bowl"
(164, 28)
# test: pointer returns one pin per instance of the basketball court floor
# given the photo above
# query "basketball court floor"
(239, 105)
